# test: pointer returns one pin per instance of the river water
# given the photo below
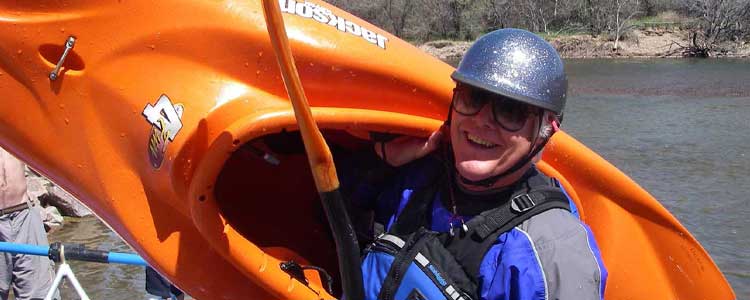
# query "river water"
(681, 129)
(100, 281)
(678, 127)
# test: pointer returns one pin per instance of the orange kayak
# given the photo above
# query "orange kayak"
(161, 113)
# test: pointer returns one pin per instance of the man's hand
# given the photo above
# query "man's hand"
(405, 149)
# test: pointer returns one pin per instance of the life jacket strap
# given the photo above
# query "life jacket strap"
(538, 194)
(469, 248)
(520, 208)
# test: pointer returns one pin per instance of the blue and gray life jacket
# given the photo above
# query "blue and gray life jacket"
(410, 262)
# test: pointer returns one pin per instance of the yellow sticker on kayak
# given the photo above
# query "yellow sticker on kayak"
(166, 121)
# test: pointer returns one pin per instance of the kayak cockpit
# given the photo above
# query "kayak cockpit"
(265, 190)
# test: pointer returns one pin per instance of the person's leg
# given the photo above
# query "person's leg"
(6, 259)
(176, 293)
(33, 274)
(156, 284)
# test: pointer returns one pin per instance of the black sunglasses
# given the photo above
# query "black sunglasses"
(510, 114)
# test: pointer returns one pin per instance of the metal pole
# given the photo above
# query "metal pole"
(24, 249)
(74, 252)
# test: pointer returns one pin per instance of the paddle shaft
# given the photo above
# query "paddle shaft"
(318, 153)
(319, 157)
(73, 252)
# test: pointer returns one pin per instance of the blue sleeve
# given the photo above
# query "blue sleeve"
(511, 271)
(371, 184)
(362, 177)
(550, 256)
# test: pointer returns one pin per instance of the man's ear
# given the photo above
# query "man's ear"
(551, 117)
(550, 126)
(545, 126)
(554, 121)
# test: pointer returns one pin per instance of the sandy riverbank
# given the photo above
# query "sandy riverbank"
(640, 43)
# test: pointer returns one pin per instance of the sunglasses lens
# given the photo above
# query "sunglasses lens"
(511, 114)
(467, 102)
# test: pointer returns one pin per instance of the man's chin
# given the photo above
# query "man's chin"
(473, 172)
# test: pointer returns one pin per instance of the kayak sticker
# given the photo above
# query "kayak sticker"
(166, 121)
(323, 15)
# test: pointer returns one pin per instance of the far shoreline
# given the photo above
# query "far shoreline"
(648, 43)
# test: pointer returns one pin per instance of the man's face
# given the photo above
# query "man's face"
(482, 148)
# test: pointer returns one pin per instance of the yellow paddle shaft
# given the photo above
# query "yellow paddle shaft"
(318, 154)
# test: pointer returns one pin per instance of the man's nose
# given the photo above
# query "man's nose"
(485, 116)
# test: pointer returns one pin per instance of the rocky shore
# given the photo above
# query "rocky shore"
(647, 43)
(55, 201)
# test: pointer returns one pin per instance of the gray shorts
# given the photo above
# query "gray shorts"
(30, 275)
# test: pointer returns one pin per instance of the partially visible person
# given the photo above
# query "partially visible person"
(29, 276)
(159, 286)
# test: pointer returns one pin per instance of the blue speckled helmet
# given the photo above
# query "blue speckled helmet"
(517, 64)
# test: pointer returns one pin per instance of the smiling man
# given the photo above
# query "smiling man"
(466, 214)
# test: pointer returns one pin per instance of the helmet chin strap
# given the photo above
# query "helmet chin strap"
(490, 181)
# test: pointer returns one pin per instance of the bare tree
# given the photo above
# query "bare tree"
(595, 17)
(366, 10)
(501, 14)
(396, 14)
(456, 9)
(533, 13)
(624, 11)
(718, 20)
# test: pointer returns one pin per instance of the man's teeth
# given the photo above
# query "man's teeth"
(480, 141)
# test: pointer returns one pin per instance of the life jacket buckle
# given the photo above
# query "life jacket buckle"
(522, 203)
